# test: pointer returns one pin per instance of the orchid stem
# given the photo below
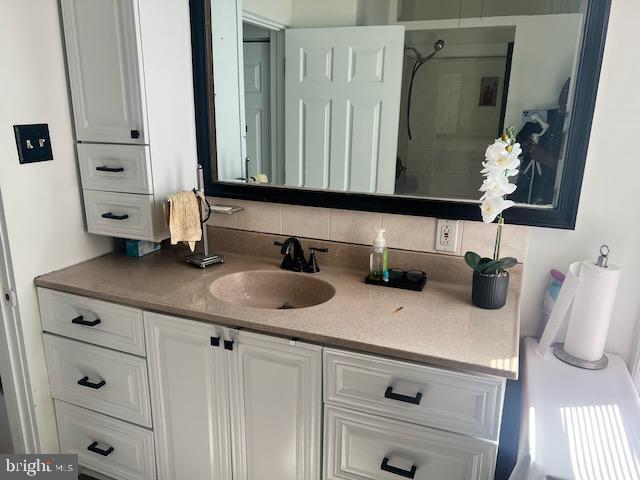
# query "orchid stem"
(496, 249)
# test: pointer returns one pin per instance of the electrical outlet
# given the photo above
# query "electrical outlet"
(447, 235)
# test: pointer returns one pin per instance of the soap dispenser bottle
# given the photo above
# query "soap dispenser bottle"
(378, 257)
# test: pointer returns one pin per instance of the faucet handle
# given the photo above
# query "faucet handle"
(312, 265)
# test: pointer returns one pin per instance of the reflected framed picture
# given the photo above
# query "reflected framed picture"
(488, 91)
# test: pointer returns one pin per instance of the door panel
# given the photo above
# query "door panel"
(105, 70)
(276, 409)
(257, 95)
(342, 91)
(189, 390)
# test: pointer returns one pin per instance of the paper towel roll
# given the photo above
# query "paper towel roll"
(591, 311)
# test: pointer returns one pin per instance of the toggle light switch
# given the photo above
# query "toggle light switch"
(34, 144)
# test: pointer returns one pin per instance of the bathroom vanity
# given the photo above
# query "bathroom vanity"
(158, 373)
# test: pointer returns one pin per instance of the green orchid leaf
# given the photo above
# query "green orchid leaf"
(496, 266)
(472, 259)
(489, 268)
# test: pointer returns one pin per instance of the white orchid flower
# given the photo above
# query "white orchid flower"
(496, 149)
(495, 186)
(491, 208)
(506, 161)
(501, 162)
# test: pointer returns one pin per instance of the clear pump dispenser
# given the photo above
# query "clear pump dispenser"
(378, 258)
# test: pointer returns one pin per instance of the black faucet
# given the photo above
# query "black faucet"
(294, 259)
(293, 255)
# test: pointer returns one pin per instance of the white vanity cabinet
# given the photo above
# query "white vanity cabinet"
(276, 404)
(233, 405)
(388, 419)
(99, 382)
(188, 371)
(130, 77)
(212, 402)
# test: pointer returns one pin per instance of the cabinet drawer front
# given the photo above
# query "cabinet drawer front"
(94, 321)
(453, 401)
(120, 215)
(115, 168)
(102, 380)
(91, 436)
(361, 446)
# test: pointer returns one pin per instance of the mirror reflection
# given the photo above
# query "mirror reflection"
(393, 97)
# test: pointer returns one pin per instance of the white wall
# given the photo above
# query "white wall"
(276, 10)
(326, 13)
(42, 201)
(609, 207)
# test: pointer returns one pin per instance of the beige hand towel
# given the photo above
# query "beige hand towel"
(184, 219)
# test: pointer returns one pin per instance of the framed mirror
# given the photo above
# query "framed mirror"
(389, 105)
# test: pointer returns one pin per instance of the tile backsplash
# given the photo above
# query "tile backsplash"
(404, 232)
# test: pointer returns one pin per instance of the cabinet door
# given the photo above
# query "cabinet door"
(276, 405)
(105, 70)
(189, 396)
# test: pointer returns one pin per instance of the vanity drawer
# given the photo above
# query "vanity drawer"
(94, 321)
(121, 215)
(91, 436)
(115, 168)
(102, 380)
(361, 446)
(453, 401)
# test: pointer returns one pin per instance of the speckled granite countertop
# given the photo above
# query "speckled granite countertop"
(438, 326)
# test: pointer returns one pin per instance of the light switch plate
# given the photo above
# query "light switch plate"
(448, 235)
(33, 142)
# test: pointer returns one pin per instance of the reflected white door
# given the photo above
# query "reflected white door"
(342, 102)
(257, 106)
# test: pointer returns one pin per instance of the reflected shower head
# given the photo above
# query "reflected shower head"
(414, 53)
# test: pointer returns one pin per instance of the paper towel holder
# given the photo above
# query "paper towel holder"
(559, 351)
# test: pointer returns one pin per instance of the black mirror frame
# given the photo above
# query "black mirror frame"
(563, 215)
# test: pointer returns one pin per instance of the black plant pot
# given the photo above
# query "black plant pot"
(490, 291)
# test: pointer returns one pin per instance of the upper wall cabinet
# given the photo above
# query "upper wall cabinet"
(130, 75)
(105, 70)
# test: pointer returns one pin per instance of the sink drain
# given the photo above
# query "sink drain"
(286, 306)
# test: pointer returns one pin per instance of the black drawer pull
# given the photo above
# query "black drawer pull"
(135, 133)
(111, 216)
(81, 321)
(84, 381)
(110, 169)
(94, 448)
(402, 398)
(398, 471)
